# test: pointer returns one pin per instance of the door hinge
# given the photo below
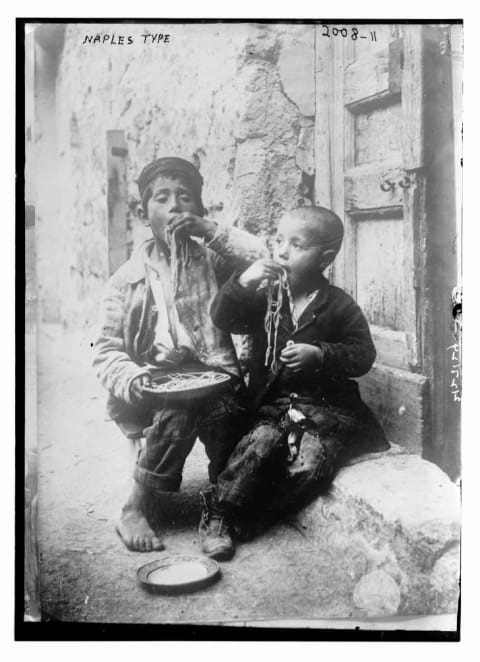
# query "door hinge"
(444, 43)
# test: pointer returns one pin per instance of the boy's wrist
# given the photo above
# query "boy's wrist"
(131, 398)
(211, 231)
(318, 364)
(245, 283)
(235, 292)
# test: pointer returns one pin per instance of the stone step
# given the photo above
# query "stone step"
(393, 521)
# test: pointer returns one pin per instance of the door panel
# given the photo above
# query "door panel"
(376, 185)
(380, 286)
(376, 134)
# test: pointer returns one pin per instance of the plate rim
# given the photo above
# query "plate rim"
(213, 573)
(195, 389)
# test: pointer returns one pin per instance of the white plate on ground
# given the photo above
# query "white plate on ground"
(178, 573)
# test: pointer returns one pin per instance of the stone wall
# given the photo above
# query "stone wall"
(237, 99)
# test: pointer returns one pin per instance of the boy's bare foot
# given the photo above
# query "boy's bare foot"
(136, 533)
(133, 527)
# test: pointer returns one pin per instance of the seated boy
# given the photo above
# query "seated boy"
(309, 340)
(156, 313)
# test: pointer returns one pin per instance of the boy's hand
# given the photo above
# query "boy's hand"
(136, 387)
(190, 224)
(258, 271)
(301, 356)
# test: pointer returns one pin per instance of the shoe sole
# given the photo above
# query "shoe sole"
(221, 555)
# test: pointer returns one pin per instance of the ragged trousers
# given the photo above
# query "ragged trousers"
(258, 477)
(172, 434)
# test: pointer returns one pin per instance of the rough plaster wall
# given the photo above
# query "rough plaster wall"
(239, 98)
(44, 183)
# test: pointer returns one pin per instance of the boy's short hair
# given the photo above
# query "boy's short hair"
(330, 225)
(171, 167)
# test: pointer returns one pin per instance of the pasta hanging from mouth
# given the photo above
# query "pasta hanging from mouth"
(276, 291)
(179, 255)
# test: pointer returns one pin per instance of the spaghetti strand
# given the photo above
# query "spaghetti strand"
(179, 256)
(188, 381)
(273, 316)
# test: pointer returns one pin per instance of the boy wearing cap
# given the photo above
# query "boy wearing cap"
(153, 317)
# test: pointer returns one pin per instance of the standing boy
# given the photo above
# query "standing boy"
(309, 340)
(156, 313)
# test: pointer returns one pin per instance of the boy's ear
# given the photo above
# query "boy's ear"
(328, 257)
(143, 216)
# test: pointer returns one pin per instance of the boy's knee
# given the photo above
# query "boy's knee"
(172, 423)
(312, 462)
(264, 436)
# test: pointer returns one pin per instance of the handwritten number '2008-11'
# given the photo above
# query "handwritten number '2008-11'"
(344, 33)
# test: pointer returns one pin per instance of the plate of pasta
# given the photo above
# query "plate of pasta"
(187, 385)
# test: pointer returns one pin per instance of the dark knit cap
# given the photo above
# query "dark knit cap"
(168, 164)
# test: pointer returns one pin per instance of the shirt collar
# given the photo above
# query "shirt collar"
(317, 303)
(138, 261)
(322, 293)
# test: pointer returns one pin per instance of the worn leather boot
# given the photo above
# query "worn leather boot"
(214, 529)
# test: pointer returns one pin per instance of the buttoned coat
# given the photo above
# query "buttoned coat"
(332, 321)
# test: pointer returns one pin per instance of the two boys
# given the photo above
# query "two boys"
(317, 340)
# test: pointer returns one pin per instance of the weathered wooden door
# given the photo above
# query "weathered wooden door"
(369, 169)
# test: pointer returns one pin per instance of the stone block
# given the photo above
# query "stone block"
(377, 594)
(296, 67)
(252, 102)
(262, 43)
(393, 522)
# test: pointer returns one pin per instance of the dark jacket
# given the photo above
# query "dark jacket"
(332, 321)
